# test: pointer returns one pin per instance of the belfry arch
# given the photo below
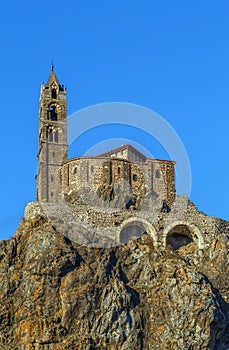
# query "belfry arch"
(135, 226)
(182, 233)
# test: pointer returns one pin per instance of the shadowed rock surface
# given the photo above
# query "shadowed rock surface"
(57, 295)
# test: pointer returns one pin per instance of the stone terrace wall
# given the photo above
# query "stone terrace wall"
(109, 222)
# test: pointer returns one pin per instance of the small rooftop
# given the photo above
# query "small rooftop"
(126, 152)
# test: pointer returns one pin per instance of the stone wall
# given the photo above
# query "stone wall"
(104, 226)
(117, 178)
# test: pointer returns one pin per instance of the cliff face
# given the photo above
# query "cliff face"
(56, 294)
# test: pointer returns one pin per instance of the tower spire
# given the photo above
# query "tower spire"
(52, 67)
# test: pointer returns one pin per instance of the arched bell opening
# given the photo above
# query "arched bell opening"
(52, 113)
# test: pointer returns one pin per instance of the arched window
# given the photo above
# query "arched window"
(158, 174)
(75, 170)
(53, 93)
(52, 114)
(119, 170)
(92, 169)
(135, 177)
(51, 136)
(56, 136)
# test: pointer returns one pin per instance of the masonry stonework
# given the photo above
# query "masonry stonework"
(115, 196)
(52, 138)
(118, 180)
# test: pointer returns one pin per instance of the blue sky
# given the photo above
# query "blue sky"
(169, 56)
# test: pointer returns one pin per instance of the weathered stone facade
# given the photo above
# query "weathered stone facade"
(118, 180)
(107, 199)
(123, 175)
(52, 138)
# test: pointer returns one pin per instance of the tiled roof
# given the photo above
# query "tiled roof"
(119, 149)
(122, 148)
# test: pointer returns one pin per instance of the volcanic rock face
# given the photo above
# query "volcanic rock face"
(57, 295)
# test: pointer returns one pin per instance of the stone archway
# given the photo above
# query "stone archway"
(181, 233)
(134, 227)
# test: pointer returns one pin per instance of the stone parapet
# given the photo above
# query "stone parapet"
(97, 226)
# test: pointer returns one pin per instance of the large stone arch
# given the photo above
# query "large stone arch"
(193, 230)
(142, 223)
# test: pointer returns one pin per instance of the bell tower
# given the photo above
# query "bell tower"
(52, 137)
